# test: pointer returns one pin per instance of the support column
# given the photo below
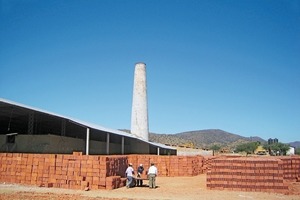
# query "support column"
(30, 123)
(122, 145)
(63, 127)
(158, 150)
(87, 141)
(107, 143)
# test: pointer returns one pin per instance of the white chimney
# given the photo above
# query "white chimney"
(139, 114)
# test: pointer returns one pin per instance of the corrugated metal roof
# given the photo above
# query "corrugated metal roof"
(86, 124)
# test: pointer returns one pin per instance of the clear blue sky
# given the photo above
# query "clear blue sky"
(223, 64)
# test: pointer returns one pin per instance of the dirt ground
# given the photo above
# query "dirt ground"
(171, 188)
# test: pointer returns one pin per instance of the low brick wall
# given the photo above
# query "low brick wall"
(62, 171)
(79, 171)
(291, 168)
(170, 165)
(262, 174)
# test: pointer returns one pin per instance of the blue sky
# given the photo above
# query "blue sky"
(222, 64)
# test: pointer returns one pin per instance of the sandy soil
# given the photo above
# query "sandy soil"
(173, 188)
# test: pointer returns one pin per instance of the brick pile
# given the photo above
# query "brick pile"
(291, 167)
(262, 174)
(75, 171)
(170, 165)
(185, 165)
(207, 163)
(115, 172)
(79, 171)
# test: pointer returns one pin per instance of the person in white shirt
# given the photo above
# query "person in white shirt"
(129, 174)
(152, 173)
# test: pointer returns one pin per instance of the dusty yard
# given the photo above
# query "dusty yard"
(173, 188)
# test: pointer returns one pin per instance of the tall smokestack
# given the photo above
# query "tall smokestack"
(139, 114)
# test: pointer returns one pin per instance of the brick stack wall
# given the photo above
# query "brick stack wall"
(79, 171)
(115, 172)
(207, 161)
(170, 165)
(262, 174)
(75, 171)
(291, 166)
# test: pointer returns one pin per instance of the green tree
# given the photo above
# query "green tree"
(277, 148)
(297, 151)
(249, 147)
(215, 147)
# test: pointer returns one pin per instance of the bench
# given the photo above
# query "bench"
(139, 178)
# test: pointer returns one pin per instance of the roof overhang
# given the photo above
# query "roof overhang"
(7, 107)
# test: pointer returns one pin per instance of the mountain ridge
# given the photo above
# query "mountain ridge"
(203, 138)
(295, 144)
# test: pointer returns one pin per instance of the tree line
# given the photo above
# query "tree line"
(250, 147)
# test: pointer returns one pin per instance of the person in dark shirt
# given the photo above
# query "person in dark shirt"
(140, 171)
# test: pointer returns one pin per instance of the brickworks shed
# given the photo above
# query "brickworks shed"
(24, 129)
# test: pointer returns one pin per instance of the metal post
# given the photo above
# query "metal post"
(107, 143)
(30, 123)
(87, 141)
(122, 145)
(63, 127)
(158, 150)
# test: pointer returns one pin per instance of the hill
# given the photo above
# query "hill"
(170, 139)
(203, 138)
(295, 144)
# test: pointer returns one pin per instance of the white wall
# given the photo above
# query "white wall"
(291, 151)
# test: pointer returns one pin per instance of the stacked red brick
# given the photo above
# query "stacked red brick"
(170, 165)
(247, 174)
(79, 171)
(208, 159)
(207, 163)
(62, 171)
(185, 165)
(161, 162)
(115, 170)
(291, 167)
(26, 168)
